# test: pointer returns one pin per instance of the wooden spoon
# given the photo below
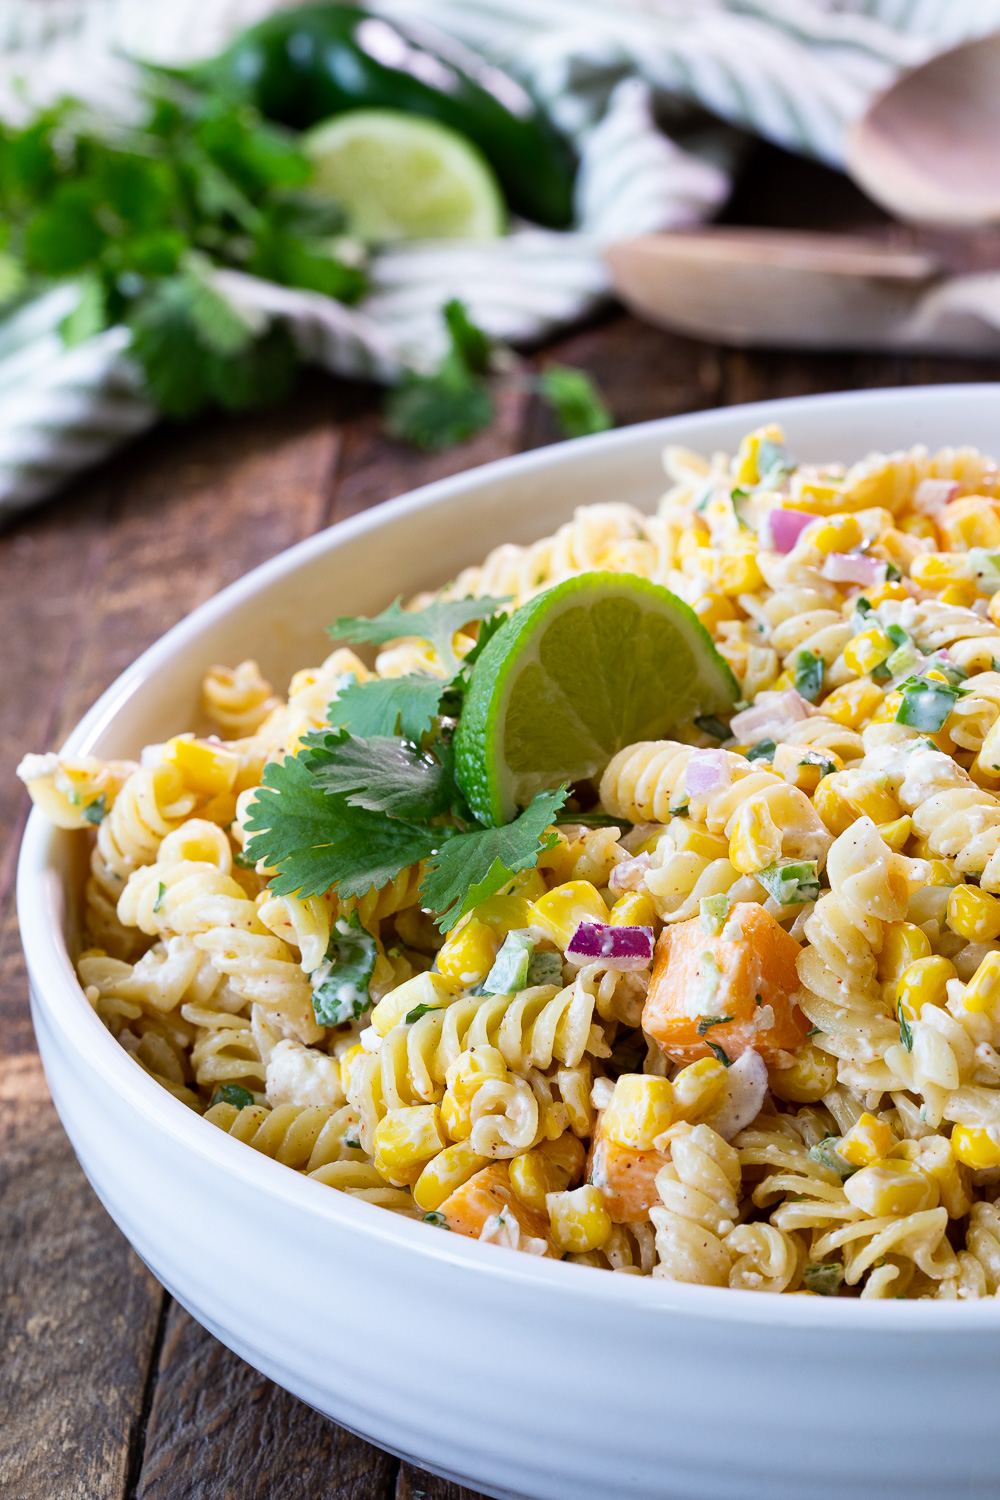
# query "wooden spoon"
(929, 148)
(771, 286)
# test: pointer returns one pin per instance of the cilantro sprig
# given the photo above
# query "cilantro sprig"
(350, 811)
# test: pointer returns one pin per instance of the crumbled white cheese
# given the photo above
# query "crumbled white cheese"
(35, 767)
(302, 1076)
(504, 1229)
(600, 1094)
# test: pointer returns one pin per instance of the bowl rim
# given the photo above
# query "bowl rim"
(55, 984)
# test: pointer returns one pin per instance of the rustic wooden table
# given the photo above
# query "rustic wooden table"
(108, 1389)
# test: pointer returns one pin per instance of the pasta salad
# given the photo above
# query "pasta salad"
(719, 1003)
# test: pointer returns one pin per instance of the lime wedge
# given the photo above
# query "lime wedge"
(594, 664)
(401, 177)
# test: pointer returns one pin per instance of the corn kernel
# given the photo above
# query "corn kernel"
(892, 1189)
(738, 573)
(408, 1137)
(916, 525)
(698, 1088)
(456, 1117)
(867, 1141)
(888, 709)
(820, 495)
(567, 1154)
(533, 1176)
(347, 1060)
(973, 914)
(471, 1069)
(893, 589)
(984, 986)
(745, 467)
(804, 768)
(712, 608)
(941, 872)
(837, 534)
(434, 990)
(936, 1156)
(896, 833)
(561, 911)
(902, 945)
(811, 1075)
(691, 839)
(975, 1148)
(755, 842)
(964, 594)
(935, 570)
(206, 768)
(867, 651)
(444, 1173)
(634, 909)
(835, 810)
(579, 1219)
(786, 680)
(923, 982)
(852, 703)
(641, 1108)
(468, 953)
(993, 608)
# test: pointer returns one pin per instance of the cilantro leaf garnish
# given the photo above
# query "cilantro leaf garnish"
(234, 1094)
(808, 670)
(708, 1021)
(95, 812)
(405, 705)
(437, 623)
(382, 774)
(341, 983)
(418, 1012)
(471, 866)
(575, 400)
(317, 841)
(722, 1055)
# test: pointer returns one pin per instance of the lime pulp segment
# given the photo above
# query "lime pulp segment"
(592, 665)
(402, 177)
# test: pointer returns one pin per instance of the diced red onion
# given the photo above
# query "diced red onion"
(787, 526)
(932, 495)
(628, 875)
(770, 715)
(707, 771)
(853, 567)
(614, 947)
(746, 1085)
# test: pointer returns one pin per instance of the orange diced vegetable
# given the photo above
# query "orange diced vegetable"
(625, 1177)
(489, 1192)
(746, 979)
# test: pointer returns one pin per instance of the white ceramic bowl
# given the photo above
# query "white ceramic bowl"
(516, 1376)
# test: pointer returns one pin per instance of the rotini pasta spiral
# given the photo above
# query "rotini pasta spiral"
(237, 699)
(699, 1196)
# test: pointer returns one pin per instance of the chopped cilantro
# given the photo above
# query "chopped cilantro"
(161, 891)
(892, 573)
(758, 999)
(234, 1094)
(681, 810)
(341, 983)
(437, 623)
(418, 1011)
(95, 812)
(244, 861)
(706, 1022)
(723, 1057)
(808, 674)
(905, 1032)
(814, 1031)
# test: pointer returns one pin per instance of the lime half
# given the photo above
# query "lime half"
(594, 664)
(401, 177)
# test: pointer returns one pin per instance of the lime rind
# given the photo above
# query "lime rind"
(598, 662)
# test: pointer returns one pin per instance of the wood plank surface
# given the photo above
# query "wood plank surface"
(110, 1391)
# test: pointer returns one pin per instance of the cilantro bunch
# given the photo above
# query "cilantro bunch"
(377, 791)
(454, 402)
(140, 215)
